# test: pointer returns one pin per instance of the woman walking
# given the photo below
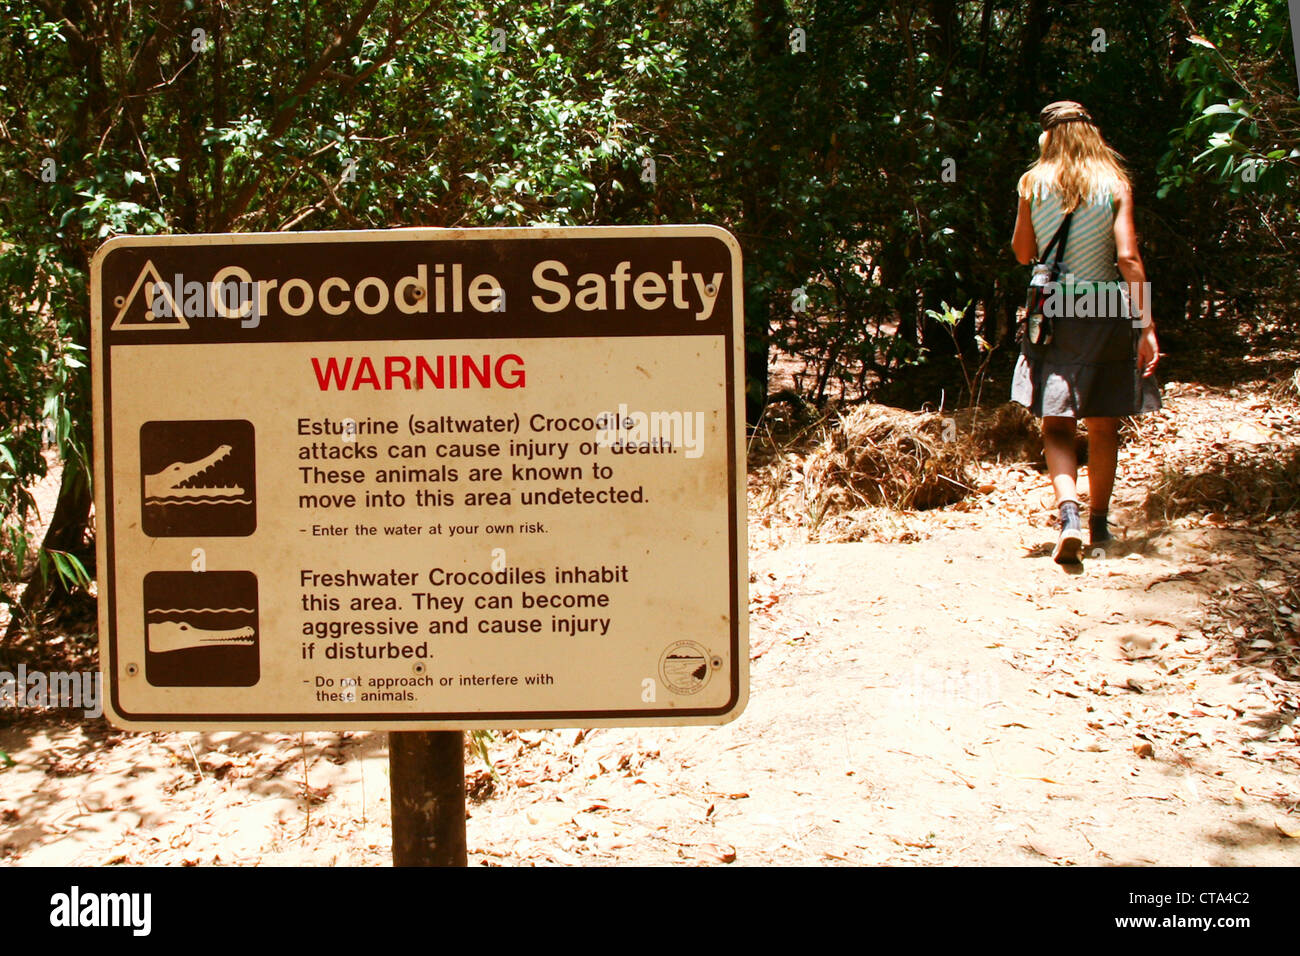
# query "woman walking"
(1098, 363)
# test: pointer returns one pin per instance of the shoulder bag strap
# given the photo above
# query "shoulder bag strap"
(1062, 235)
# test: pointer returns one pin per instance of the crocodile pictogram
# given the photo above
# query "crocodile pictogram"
(167, 636)
(169, 485)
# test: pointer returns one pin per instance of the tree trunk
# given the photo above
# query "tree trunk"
(771, 26)
(67, 532)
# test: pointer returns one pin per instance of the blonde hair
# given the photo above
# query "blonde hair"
(1075, 163)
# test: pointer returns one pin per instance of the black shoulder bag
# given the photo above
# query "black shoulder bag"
(1036, 326)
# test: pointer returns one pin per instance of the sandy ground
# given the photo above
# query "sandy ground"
(956, 699)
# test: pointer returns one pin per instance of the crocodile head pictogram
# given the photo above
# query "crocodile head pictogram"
(167, 636)
(171, 481)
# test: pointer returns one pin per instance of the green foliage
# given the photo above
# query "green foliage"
(873, 169)
(1231, 169)
(65, 564)
(44, 395)
(304, 115)
(480, 739)
(950, 318)
(1240, 94)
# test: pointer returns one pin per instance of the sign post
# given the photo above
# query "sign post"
(421, 480)
(427, 775)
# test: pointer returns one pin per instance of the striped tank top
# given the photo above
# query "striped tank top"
(1090, 248)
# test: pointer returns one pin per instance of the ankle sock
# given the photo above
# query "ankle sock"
(1070, 515)
(1098, 526)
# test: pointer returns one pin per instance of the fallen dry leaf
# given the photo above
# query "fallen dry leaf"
(1291, 830)
(919, 844)
(721, 852)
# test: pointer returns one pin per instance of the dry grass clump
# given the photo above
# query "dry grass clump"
(1011, 433)
(1251, 480)
(874, 524)
(1007, 433)
(1286, 386)
(786, 426)
(887, 456)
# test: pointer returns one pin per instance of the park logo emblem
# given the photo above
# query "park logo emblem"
(152, 283)
(686, 667)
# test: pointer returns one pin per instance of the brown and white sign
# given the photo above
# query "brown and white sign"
(421, 478)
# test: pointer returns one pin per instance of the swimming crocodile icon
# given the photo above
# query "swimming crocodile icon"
(169, 484)
(167, 636)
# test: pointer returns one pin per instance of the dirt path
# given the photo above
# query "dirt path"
(955, 700)
(942, 702)
(949, 701)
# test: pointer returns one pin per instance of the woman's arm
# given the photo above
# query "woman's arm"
(1129, 262)
(1023, 242)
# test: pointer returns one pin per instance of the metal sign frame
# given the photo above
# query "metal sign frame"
(117, 266)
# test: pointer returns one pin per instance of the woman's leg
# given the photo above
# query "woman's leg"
(1062, 458)
(1063, 465)
(1103, 452)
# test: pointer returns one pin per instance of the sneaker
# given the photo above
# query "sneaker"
(1069, 549)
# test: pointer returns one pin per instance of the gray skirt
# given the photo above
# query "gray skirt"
(1089, 370)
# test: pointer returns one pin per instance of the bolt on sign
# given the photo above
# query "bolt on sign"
(421, 478)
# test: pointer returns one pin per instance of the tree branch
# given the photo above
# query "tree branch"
(289, 109)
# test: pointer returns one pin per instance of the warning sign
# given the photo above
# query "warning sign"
(421, 478)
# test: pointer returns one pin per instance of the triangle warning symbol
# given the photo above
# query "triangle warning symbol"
(151, 281)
